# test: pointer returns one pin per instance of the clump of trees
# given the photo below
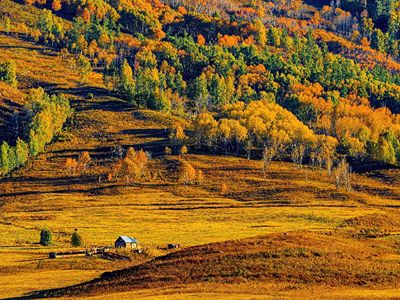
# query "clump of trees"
(46, 116)
(133, 167)
(8, 72)
(12, 157)
(82, 164)
(188, 174)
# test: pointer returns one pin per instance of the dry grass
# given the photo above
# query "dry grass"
(295, 260)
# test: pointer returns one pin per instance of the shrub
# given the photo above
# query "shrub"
(45, 237)
(200, 176)
(184, 150)
(187, 174)
(223, 189)
(76, 239)
(167, 150)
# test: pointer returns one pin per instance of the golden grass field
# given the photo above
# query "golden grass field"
(161, 211)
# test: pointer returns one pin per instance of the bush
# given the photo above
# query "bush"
(45, 237)
(76, 239)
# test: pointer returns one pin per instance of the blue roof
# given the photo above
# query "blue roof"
(128, 239)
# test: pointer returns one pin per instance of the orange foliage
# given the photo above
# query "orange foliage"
(228, 40)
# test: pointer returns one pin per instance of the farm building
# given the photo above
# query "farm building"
(126, 242)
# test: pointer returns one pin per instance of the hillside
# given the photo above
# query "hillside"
(262, 137)
(285, 263)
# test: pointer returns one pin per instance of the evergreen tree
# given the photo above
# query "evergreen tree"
(76, 239)
(46, 237)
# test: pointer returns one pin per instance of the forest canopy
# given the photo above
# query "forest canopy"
(258, 73)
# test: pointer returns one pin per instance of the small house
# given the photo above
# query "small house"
(126, 242)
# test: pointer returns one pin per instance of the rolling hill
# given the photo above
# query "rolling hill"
(275, 264)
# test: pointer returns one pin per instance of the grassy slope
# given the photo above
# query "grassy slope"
(286, 263)
(158, 212)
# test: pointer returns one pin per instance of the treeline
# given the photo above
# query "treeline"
(260, 126)
(332, 95)
(46, 116)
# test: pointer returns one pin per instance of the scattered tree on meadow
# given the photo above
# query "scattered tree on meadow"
(342, 175)
(46, 237)
(223, 189)
(84, 68)
(184, 150)
(7, 25)
(76, 239)
(187, 173)
(71, 166)
(84, 161)
(178, 137)
(167, 151)
(132, 167)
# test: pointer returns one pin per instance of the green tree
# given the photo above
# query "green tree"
(261, 33)
(7, 25)
(273, 37)
(160, 101)
(375, 8)
(22, 152)
(218, 90)
(126, 84)
(8, 72)
(46, 237)
(198, 92)
(4, 160)
(84, 68)
(12, 159)
(378, 40)
(34, 147)
(76, 239)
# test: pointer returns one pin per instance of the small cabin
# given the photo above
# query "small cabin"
(126, 242)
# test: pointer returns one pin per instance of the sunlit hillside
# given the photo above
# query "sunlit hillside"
(236, 149)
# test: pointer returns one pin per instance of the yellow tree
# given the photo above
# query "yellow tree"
(187, 173)
(84, 161)
(342, 175)
(70, 166)
(261, 33)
